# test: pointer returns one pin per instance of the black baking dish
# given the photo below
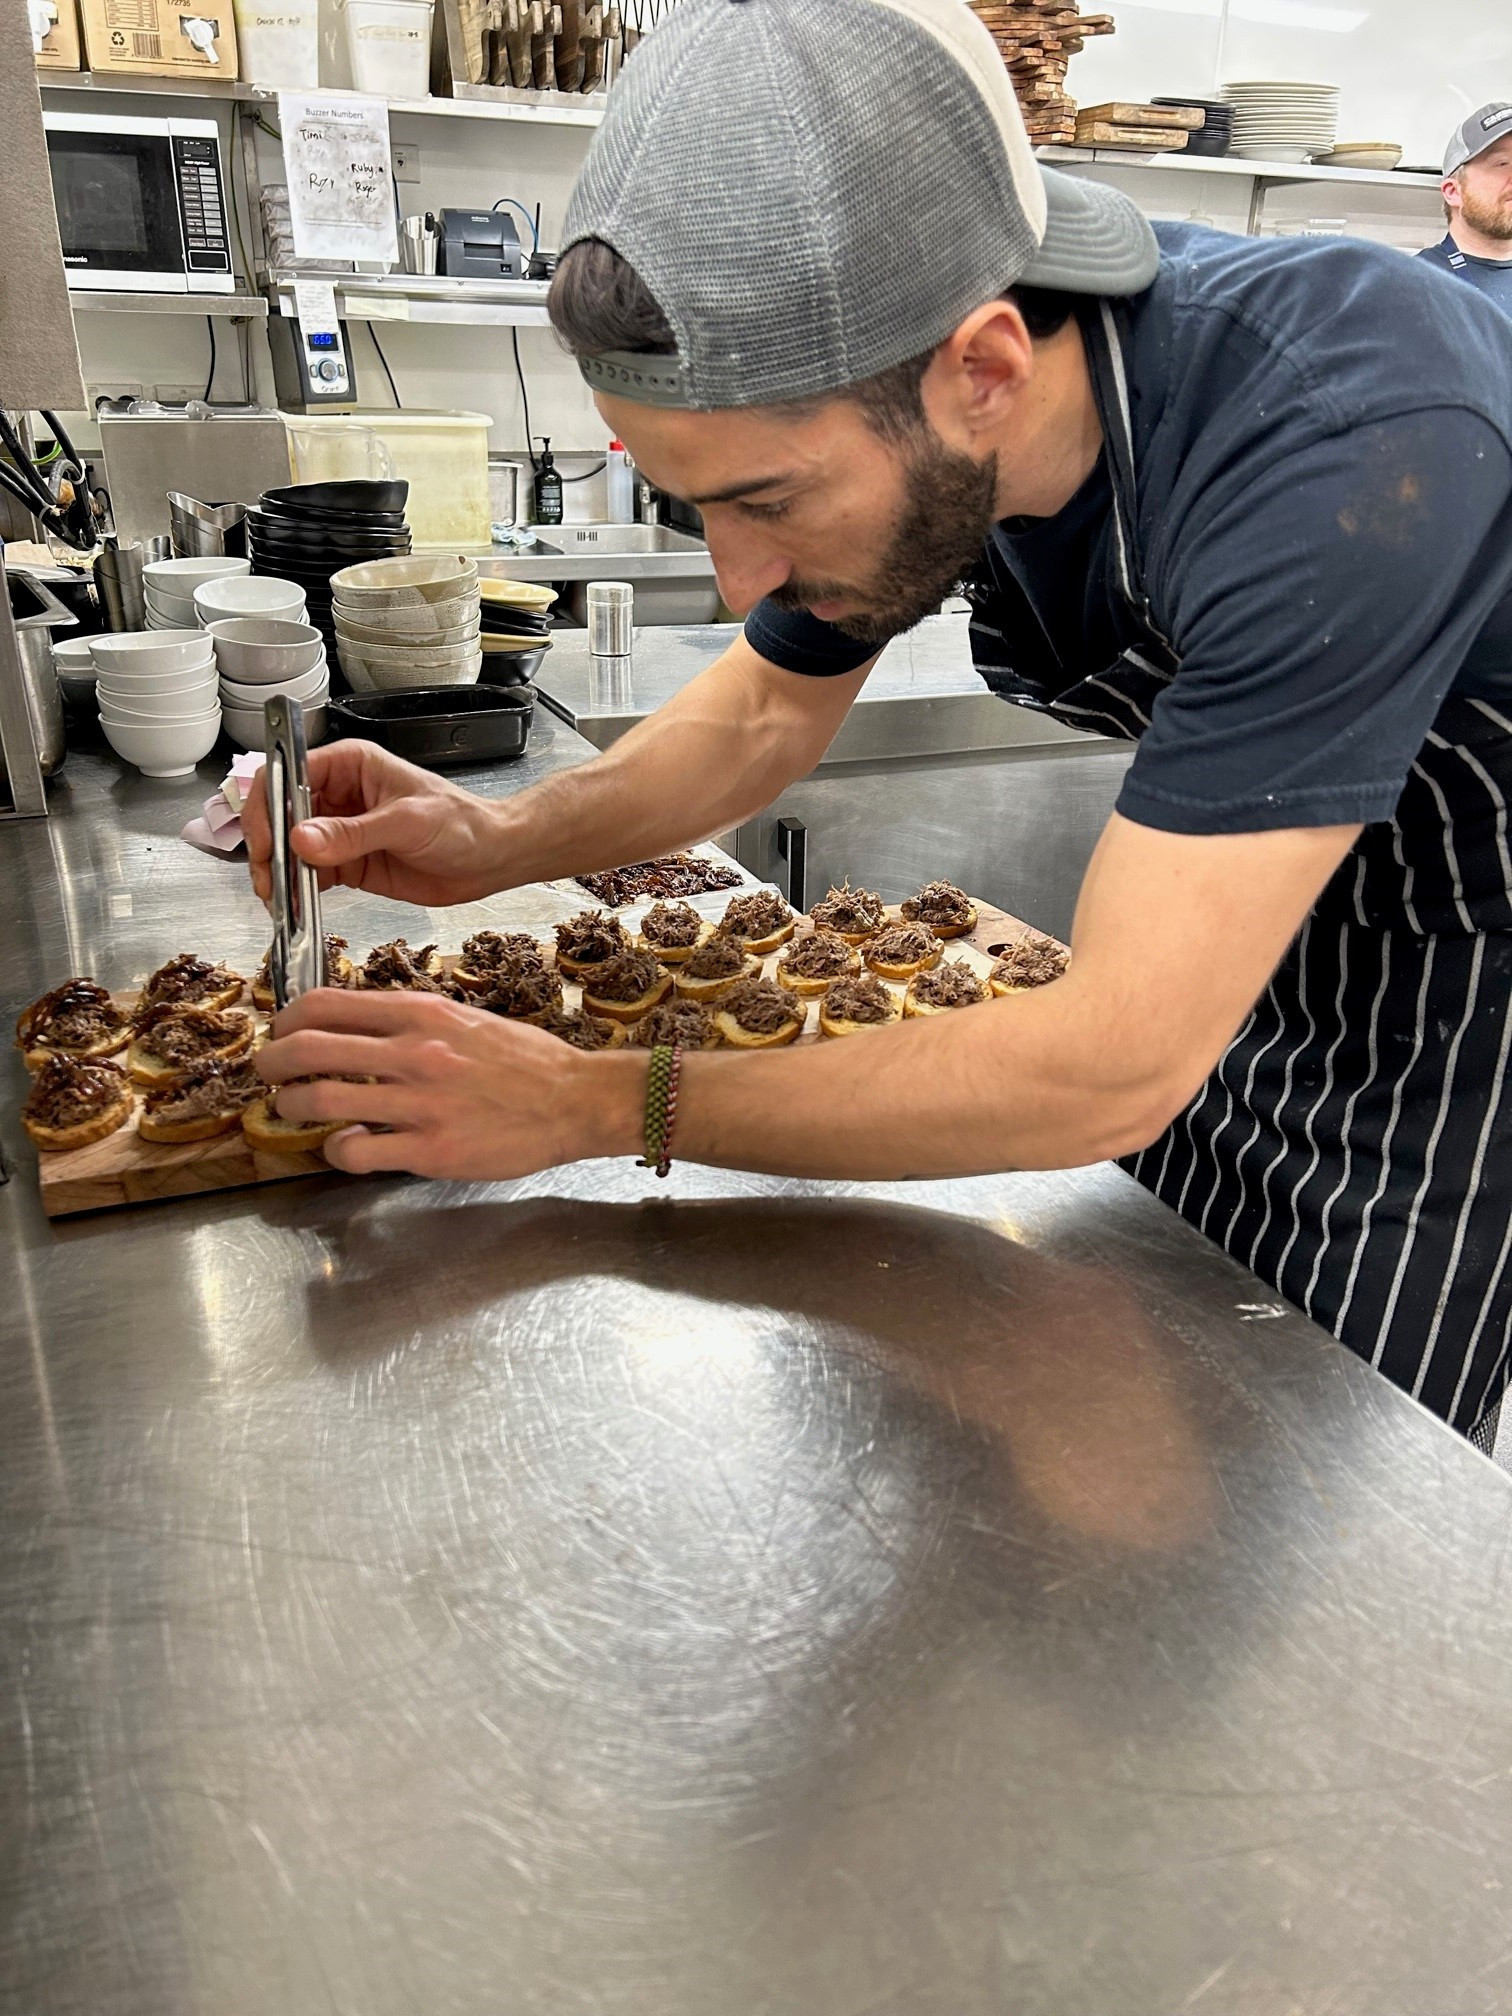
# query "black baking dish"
(436, 725)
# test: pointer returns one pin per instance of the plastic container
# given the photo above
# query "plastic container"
(279, 42)
(619, 485)
(388, 42)
(442, 455)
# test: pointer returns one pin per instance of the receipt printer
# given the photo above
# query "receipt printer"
(479, 245)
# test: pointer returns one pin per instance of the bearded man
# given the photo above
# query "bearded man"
(1478, 203)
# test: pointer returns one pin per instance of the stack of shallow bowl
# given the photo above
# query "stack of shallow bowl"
(307, 532)
(159, 703)
(516, 629)
(258, 657)
(168, 587)
(408, 623)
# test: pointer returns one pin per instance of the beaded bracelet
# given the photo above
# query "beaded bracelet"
(661, 1106)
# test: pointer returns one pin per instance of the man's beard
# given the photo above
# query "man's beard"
(947, 513)
(1492, 220)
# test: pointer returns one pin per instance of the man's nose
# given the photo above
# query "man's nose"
(747, 567)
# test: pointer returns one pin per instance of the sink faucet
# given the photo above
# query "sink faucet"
(648, 503)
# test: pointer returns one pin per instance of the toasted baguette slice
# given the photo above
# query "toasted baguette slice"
(671, 955)
(268, 1130)
(838, 1025)
(715, 990)
(961, 930)
(145, 1067)
(202, 1128)
(742, 1039)
(103, 1046)
(807, 987)
(888, 969)
(58, 1140)
(627, 1011)
(339, 973)
(913, 1006)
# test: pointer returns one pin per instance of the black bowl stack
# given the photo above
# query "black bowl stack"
(310, 531)
(1215, 132)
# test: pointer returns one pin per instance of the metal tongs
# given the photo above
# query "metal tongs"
(297, 960)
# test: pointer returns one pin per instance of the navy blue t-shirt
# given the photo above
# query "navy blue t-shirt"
(1492, 276)
(1323, 447)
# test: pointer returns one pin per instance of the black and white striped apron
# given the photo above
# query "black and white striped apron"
(1354, 1145)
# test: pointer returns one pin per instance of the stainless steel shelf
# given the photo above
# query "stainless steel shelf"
(1232, 164)
(492, 102)
(149, 87)
(416, 297)
(234, 307)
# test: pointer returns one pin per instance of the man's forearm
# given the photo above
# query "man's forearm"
(721, 750)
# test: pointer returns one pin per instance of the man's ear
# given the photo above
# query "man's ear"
(980, 368)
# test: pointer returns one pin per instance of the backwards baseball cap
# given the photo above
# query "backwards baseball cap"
(1481, 130)
(814, 190)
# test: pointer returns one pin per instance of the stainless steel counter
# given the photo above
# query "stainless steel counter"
(725, 1596)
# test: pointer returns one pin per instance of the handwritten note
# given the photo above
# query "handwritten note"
(341, 192)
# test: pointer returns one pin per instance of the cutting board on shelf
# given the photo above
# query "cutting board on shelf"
(124, 1169)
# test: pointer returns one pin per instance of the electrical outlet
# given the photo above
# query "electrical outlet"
(406, 162)
(117, 389)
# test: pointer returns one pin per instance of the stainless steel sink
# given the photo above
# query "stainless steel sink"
(671, 572)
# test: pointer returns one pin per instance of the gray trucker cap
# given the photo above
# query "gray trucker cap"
(815, 190)
(1481, 130)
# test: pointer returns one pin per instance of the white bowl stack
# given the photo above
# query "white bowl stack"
(225, 599)
(260, 656)
(1283, 122)
(159, 704)
(168, 587)
(411, 621)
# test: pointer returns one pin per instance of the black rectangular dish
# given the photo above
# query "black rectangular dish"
(437, 725)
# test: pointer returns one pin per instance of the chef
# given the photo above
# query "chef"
(1478, 202)
(1245, 503)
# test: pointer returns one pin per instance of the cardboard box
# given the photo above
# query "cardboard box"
(61, 47)
(146, 38)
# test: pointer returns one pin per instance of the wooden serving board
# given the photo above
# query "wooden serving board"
(125, 1169)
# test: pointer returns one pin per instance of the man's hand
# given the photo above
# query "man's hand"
(466, 1094)
(380, 824)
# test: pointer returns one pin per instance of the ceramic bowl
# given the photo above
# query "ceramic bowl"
(262, 650)
(246, 727)
(163, 701)
(175, 612)
(157, 651)
(404, 583)
(179, 717)
(441, 635)
(369, 676)
(395, 626)
(253, 595)
(73, 657)
(163, 749)
(182, 577)
(308, 686)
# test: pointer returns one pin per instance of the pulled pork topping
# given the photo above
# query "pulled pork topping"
(687, 1023)
(718, 958)
(399, 965)
(187, 1036)
(488, 952)
(951, 985)
(334, 949)
(71, 1017)
(521, 990)
(819, 956)
(583, 1032)
(208, 1089)
(849, 909)
(1033, 962)
(667, 875)
(66, 1091)
(760, 1007)
(860, 1000)
(939, 903)
(185, 980)
(755, 916)
(902, 945)
(591, 937)
(672, 924)
(625, 977)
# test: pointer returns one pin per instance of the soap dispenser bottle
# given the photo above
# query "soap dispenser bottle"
(548, 487)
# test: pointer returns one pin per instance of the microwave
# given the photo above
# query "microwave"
(141, 203)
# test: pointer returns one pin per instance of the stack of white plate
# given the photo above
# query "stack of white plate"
(408, 622)
(1283, 122)
(168, 587)
(159, 704)
(259, 656)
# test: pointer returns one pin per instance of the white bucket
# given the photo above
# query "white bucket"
(279, 42)
(389, 44)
